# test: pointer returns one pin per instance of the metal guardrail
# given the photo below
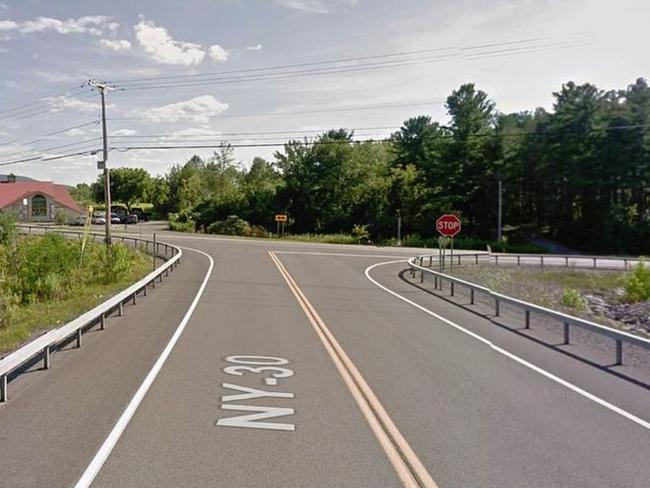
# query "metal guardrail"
(566, 260)
(568, 321)
(543, 260)
(43, 344)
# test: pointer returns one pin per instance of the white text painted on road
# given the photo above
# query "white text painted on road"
(256, 365)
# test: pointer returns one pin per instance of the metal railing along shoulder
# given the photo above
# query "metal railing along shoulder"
(42, 345)
(568, 321)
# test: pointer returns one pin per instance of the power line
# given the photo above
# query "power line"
(43, 108)
(221, 134)
(45, 136)
(218, 78)
(41, 158)
(39, 100)
(71, 144)
(325, 62)
(310, 111)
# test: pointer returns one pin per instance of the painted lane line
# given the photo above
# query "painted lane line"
(107, 447)
(408, 467)
(508, 354)
(341, 255)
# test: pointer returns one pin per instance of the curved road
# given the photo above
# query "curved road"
(301, 365)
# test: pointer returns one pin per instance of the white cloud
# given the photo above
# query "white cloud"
(164, 49)
(69, 103)
(198, 109)
(316, 6)
(3, 6)
(254, 48)
(89, 24)
(218, 53)
(57, 77)
(75, 132)
(7, 25)
(195, 131)
(124, 132)
(3, 50)
(115, 45)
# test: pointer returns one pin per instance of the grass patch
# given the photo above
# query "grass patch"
(582, 280)
(323, 238)
(29, 317)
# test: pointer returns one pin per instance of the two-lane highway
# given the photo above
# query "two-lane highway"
(316, 365)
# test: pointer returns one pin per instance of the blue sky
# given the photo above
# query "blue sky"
(50, 48)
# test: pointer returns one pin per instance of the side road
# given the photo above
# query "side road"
(56, 420)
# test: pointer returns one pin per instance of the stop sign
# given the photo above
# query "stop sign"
(448, 225)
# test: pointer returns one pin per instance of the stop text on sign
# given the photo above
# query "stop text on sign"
(448, 225)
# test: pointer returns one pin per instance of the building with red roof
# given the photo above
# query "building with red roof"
(40, 201)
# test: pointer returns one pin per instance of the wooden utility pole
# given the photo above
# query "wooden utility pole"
(102, 88)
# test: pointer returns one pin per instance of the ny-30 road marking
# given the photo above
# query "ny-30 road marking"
(274, 370)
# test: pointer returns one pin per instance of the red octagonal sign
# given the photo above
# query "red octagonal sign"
(448, 225)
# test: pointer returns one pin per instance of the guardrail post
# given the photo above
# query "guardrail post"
(471, 296)
(542, 260)
(625, 261)
(144, 290)
(3, 389)
(153, 283)
(451, 289)
(121, 309)
(496, 260)
(497, 307)
(46, 357)
(518, 260)
(476, 258)
(435, 282)
(566, 333)
(619, 353)
(430, 261)
(422, 276)
(135, 294)
(102, 322)
(78, 338)
(566, 261)
(527, 321)
(459, 259)
(595, 263)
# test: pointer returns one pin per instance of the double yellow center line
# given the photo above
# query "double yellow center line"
(409, 468)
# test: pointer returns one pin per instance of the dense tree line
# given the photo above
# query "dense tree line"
(578, 174)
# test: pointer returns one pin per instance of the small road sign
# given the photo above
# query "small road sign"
(448, 225)
(281, 218)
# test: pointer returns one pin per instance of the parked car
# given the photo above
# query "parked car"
(80, 220)
(131, 219)
(142, 215)
(99, 218)
(115, 219)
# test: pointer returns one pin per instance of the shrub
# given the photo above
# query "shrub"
(182, 226)
(637, 286)
(361, 234)
(572, 298)
(232, 226)
(61, 217)
(7, 228)
(34, 261)
(258, 231)
(181, 223)
(117, 263)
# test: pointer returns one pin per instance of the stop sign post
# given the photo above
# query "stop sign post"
(449, 225)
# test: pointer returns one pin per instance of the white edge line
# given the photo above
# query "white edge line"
(107, 447)
(523, 362)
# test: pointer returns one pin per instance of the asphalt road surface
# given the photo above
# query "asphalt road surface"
(262, 364)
